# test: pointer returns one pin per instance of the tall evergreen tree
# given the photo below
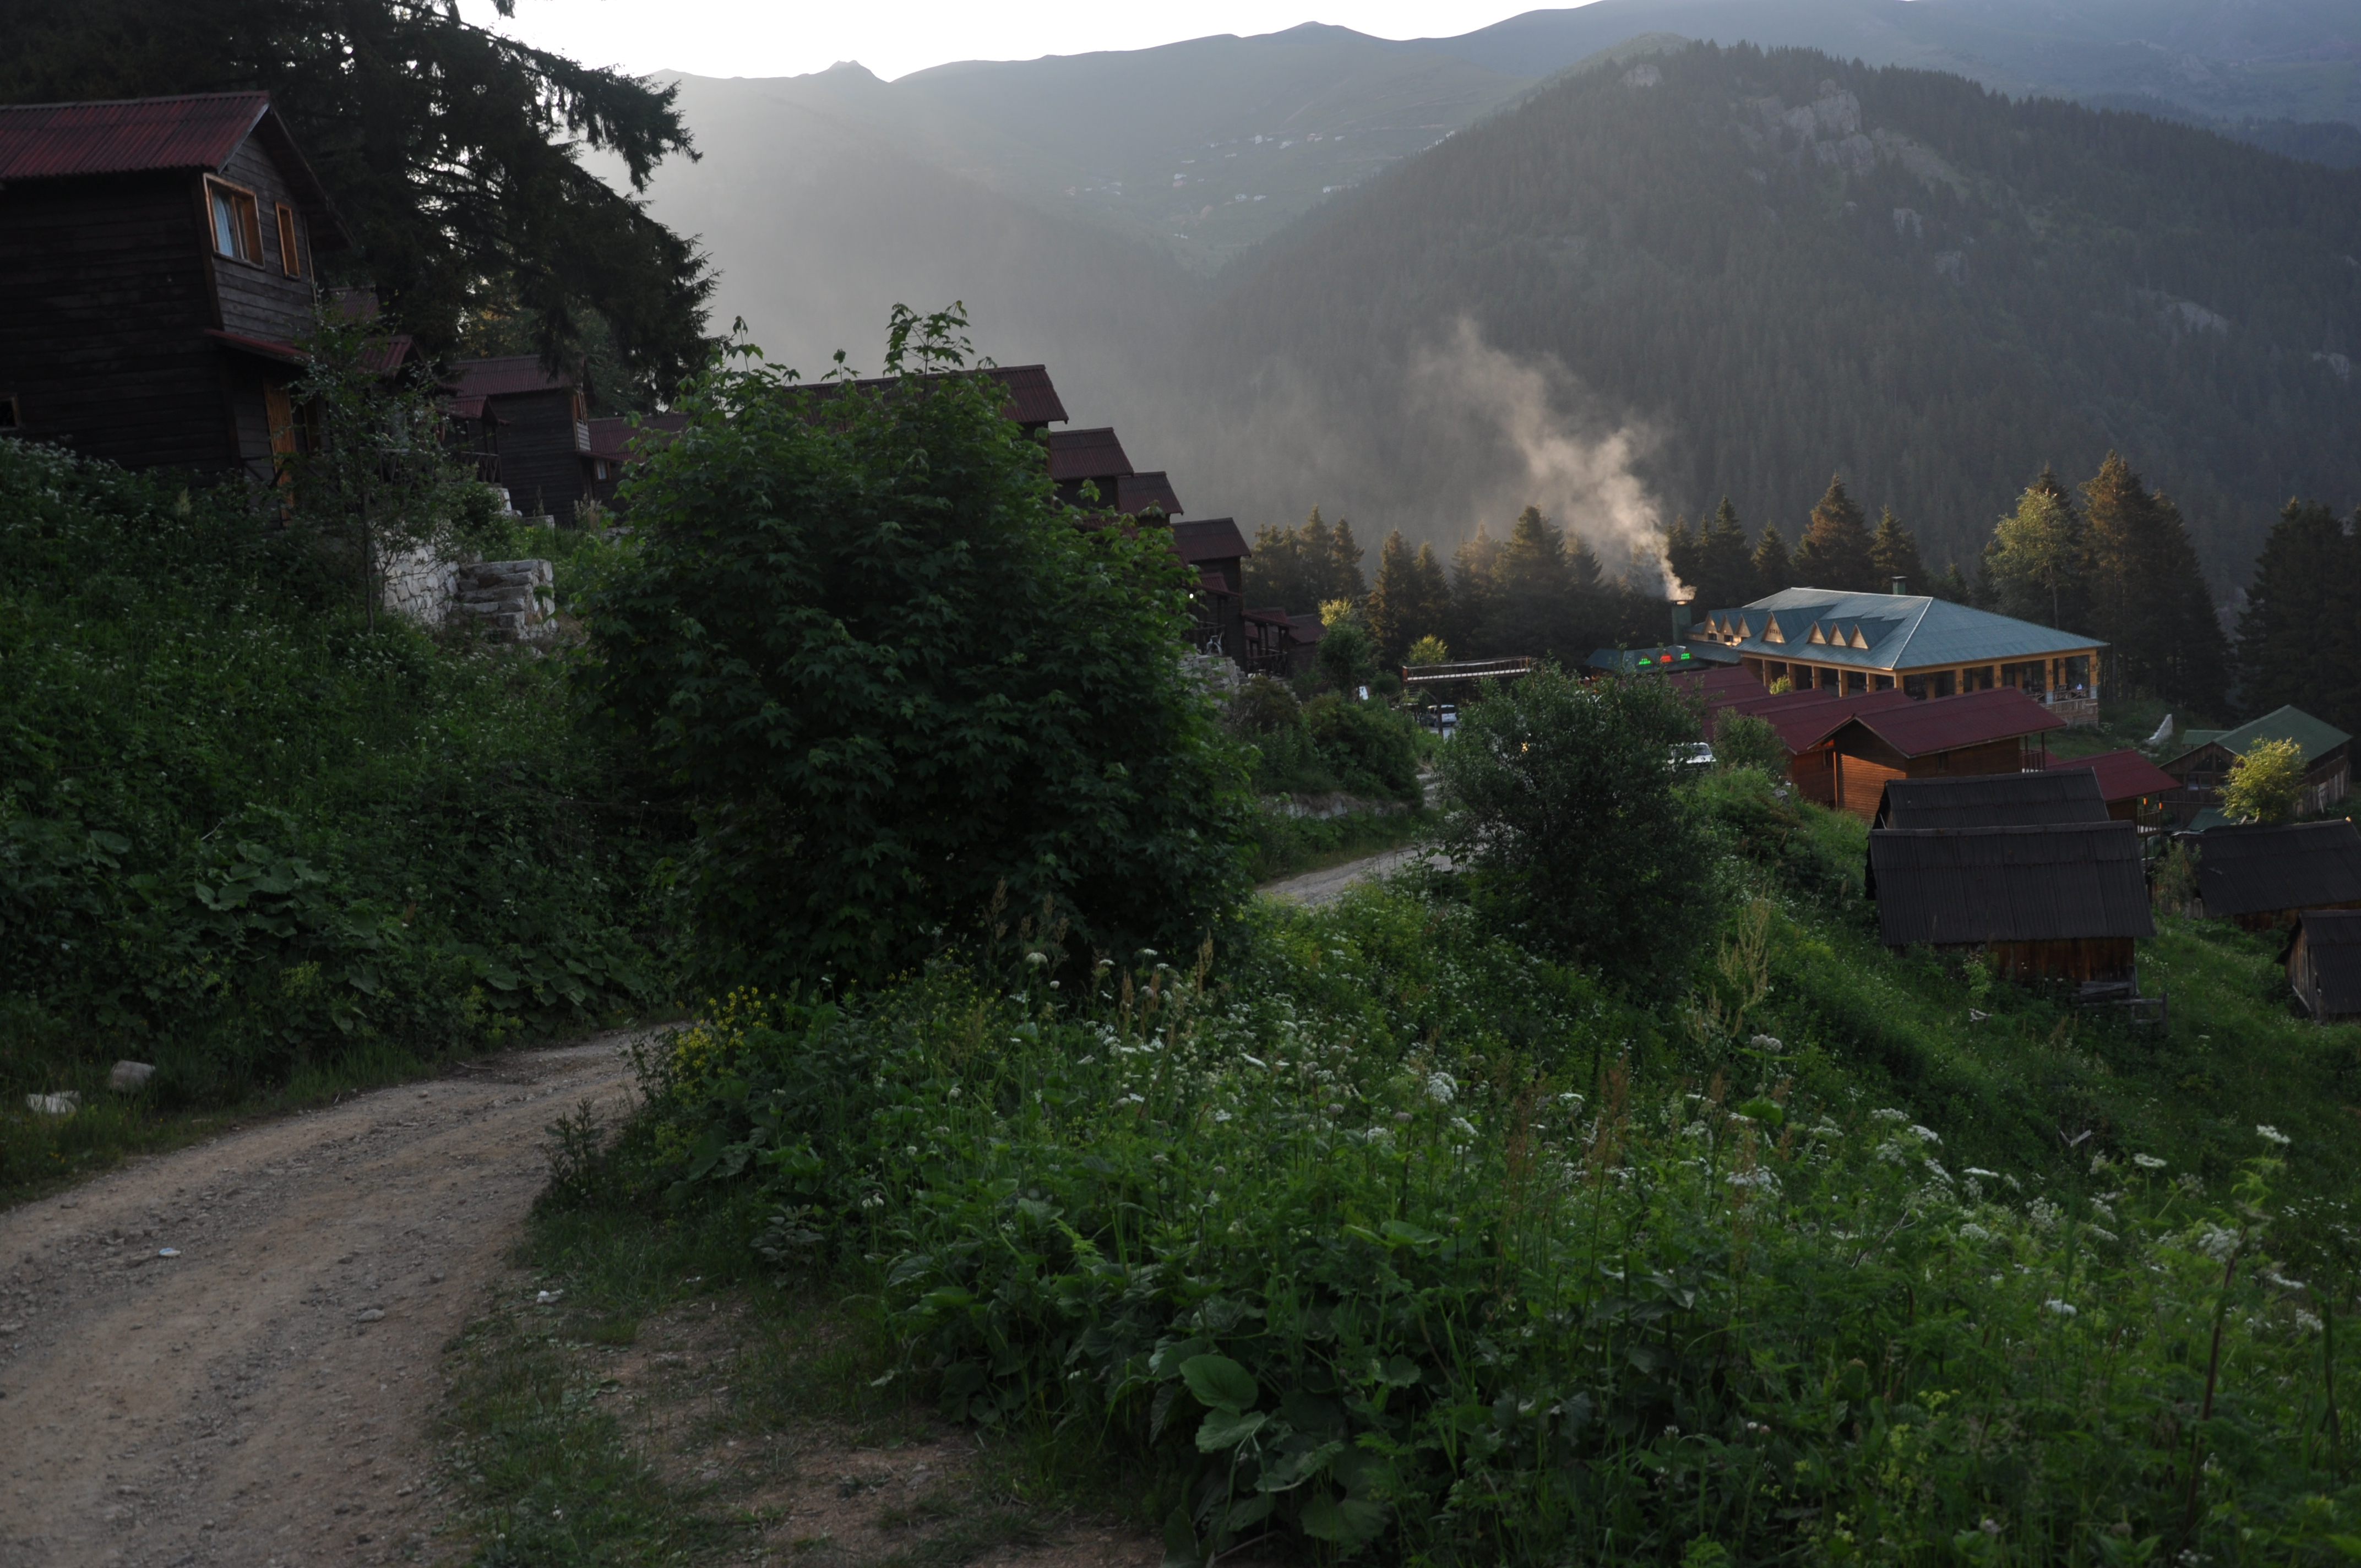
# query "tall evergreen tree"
(1434, 592)
(2149, 598)
(1344, 580)
(2297, 641)
(1685, 555)
(1953, 585)
(1894, 553)
(1305, 566)
(1536, 585)
(1834, 552)
(1474, 595)
(1725, 565)
(1773, 572)
(1396, 611)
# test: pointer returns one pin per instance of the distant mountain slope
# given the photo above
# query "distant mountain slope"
(1753, 269)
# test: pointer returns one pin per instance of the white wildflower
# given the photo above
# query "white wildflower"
(2218, 1244)
(1974, 1232)
(1767, 1043)
(1979, 1171)
(2147, 1162)
(1889, 1114)
(2098, 1165)
(1757, 1179)
(1441, 1087)
(1924, 1134)
(2063, 1308)
(1696, 1130)
(2272, 1134)
(1464, 1124)
(2282, 1281)
(2101, 1231)
(2043, 1214)
(2306, 1321)
(1221, 1115)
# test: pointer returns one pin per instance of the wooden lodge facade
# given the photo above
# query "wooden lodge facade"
(1857, 645)
(158, 261)
(2199, 773)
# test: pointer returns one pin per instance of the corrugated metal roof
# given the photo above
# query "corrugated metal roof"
(2314, 736)
(1032, 399)
(261, 347)
(2332, 939)
(1077, 454)
(2124, 776)
(2053, 883)
(507, 375)
(615, 437)
(1886, 631)
(1137, 493)
(1804, 718)
(125, 135)
(1948, 723)
(2254, 870)
(1722, 685)
(1656, 661)
(1209, 539)
(1992, 800)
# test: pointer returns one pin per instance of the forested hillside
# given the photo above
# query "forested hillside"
(1756, 267)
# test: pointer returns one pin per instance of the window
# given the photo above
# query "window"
(237, 231)
(290, 260)
(10, 417)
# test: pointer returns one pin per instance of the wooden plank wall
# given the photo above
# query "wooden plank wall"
(539, 465)
(258, 298)
(2089, 958)
(103, 314)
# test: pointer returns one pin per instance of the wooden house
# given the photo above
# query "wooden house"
(1805, 722)
(537, 422)
(2262, 877)
(2067, 900)
(2198, 772)
(1092, 457)
(1991, 800)
(158, 263)
(1856, 643)
(1214, 548)
(1980, 732)
(618, 443)
(2323, 962)
(2133, 787)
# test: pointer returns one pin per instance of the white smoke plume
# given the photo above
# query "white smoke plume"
(1578, 467)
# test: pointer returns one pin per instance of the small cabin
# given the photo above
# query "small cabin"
(2199, 773)
(1992, 800)
(1216, 551)
(2134, 788)
(618, 443)
(1093, 457)
(2262, 877)
(159, 262)
(1804, 721)
(1982, 732)
(2323, 962)
(2063, 901)
(537, 422)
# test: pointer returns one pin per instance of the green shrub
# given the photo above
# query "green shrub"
(1565, 814)
(1743, 741)
(1372, 748)
(899, 678)
(1395, 1242)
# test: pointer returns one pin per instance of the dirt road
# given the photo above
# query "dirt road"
(261, 1398)
(1320, 886)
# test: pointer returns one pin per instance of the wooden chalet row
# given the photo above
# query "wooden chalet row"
(2200, 772)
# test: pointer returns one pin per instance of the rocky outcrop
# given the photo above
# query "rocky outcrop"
(509, 601)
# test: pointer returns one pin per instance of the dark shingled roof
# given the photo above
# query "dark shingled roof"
(1209, 539)
(506, 374)
(2056, 883)
(1804, 718)
(134, 135)
(1077, 454)
(2124, 776)
(1948, 723)
(1136, 493)
(2333, 937)
(616, 437)
(2254, 870)
(1992, 800)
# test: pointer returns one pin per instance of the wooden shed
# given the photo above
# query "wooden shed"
(2133, 787)
(1992, 800)
(1994, 731)
(2262, 877)
(2065, 900)
(157, 265)
(2323, 962)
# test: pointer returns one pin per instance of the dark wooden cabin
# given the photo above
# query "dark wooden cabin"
(2063, 899)
(1992, 800)
(2133, 787)
(2323, 962)
(1805, 722)
(2200, 772)
(1980, 732)
(537, 422)
(619, 442)
(1214, 548)
(2262, 877)
(157, 265)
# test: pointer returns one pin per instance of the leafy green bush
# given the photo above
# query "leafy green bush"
(900, 678)
(240, 827)
(1400, 1241)
(1566, 816)
(1743, 741)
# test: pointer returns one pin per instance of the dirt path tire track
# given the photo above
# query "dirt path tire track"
(262, 1398)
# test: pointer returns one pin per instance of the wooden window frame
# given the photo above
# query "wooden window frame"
(291, 259)
(248, 208)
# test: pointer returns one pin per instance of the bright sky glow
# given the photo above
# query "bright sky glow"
(893, 38)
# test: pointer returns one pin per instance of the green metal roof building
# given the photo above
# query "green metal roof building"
(2327, 763)
(1927, 647)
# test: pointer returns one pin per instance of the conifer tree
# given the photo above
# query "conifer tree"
(1684, 554)
(2147, 594)
(1894, 553)
(1344, 580)
(2037, 559)
(1536, 585)
(2297, 640)
(1834, 552)
(1773, 572)
(1396, 614)
(1953, 585)
(1434, 592)
(1474, 595)
(1726, 575)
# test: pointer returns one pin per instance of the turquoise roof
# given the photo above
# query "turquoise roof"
(2312, 736)
(1886, 631)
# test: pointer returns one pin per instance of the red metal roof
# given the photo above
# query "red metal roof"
(1209, 539)
(2124, 776)
(1076, 454)
(1804, 718)
(1947, 723)
(1719, 685)
(261, 347)
(1136, 493)
(45, 141)
(506, 374)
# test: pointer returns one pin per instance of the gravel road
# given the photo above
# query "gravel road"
(1319, 887)
(261, 1398)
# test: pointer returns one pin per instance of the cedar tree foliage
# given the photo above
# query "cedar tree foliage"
(1573, 836)
(902, 683)
(450, 152)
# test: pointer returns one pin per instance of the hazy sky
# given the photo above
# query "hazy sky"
(893, 38)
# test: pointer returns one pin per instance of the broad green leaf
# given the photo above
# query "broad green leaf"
(1220, 1383)
(1226, 1429)
(1343, 1520)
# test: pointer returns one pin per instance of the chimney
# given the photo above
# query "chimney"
(1900, 586)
